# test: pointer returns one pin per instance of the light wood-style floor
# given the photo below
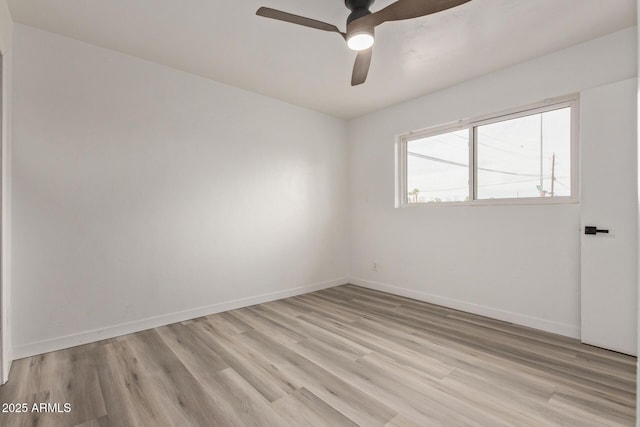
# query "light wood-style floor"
(338, 357)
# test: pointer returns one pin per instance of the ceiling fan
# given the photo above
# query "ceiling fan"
(361, 24)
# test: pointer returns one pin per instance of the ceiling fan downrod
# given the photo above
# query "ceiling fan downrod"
(358, 8)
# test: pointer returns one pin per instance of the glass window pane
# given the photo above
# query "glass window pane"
(525, 157)
(438, 168)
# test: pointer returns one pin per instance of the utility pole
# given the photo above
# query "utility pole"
(541, 159)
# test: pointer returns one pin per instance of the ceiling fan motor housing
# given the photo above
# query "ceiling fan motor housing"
(358, 8)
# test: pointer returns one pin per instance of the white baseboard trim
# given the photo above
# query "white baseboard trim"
(494, 313)
(59, 343)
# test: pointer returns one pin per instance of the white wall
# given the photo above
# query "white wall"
(6, 31)
(516, 263)
(144, 195)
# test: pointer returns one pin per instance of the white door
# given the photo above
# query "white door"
(608, 169)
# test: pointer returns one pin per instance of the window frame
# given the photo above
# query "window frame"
(571, 101)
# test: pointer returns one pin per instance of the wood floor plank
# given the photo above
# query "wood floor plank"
(276, 331)
(594, 405)
(227, 323)
(354, 403)
(418, 360)
(303, 408)
(487, 393)
(98, 422)
(193, 353)
(342, 356)
(76, 383)
(390, 389)
(309, 330)
(404, 421)
(438, 404)
(249, 363)
(238, 403)
(330, 309)
(127, 392)
(179, 392)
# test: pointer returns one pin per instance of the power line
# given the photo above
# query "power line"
(450, 162)
(504, 150)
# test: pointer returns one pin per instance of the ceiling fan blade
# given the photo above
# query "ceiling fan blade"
(408, 9)
(267, 12)
(361, 67)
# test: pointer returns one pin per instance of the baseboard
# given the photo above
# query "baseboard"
(73, 340)
(494, 313)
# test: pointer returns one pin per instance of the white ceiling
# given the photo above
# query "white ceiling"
(226, 41)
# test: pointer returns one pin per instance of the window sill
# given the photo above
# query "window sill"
(495, 202)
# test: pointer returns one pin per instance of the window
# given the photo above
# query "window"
(522, 156)
(439, 168)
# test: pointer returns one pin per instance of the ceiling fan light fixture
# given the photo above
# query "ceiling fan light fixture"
(360, 41)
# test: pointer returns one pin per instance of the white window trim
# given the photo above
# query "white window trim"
(401, 199)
